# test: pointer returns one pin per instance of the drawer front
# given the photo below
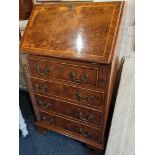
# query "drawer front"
(82, 96)
(64, 108)
(63, 71)
(80, 129)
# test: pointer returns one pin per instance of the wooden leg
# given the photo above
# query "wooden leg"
(41, 130)
(90, 147)
(95, 150)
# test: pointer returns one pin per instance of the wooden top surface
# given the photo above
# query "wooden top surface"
(82, 31)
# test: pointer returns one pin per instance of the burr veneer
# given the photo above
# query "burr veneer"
(69, 55)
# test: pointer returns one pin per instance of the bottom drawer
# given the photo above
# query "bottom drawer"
(72, 126)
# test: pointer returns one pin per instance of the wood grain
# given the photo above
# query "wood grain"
(64, 38)
(85, 31)
(69, 125)
(75, 94)
(73, 111)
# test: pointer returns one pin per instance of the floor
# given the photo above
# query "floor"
(50, 144)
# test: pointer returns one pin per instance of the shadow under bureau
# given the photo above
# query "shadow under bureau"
(70, 58)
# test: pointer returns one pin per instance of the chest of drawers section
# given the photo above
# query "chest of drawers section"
(74, 105)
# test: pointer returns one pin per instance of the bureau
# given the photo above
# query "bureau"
(69, 53)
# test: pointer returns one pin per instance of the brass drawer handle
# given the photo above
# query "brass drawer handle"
(49, 121)
(85, 118)
(44, 104)
(85, 133)
(43, 89)
(88, 99)
(83, 79)
(45, 72)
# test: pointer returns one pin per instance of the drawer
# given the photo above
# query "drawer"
(72, 93)
(72, 126)
(82, 75)
(74, 111)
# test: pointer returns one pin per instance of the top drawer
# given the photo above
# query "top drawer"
(63, 71)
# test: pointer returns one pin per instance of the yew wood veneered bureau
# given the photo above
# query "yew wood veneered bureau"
(69, 53)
